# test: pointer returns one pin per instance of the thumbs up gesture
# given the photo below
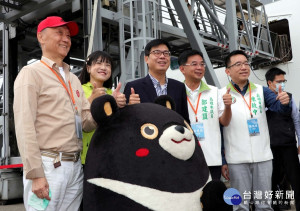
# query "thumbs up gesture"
(283, 97)
(227, 99)
(134, 98)
(97, 92)
(119, 97)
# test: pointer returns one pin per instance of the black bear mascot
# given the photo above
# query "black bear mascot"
(143, 157)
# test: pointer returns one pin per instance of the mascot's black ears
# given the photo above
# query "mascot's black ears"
(166, 101)
(105, 109)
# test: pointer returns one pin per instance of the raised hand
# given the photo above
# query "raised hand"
(97, 92)
(119, 97)
(227, 114)
(283, 97)
(227, 99)
(134, 98)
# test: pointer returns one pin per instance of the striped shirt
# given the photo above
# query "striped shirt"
(160, 89)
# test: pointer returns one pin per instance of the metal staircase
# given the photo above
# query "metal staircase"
(218, 22)
(210, 26)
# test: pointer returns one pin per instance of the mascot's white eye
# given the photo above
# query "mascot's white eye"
(149, 131)
(188, 126)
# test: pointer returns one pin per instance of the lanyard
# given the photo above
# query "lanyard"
(249, 106)
(63, 83)
(195, 110)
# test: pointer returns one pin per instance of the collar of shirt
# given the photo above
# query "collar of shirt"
(192, 94)
(202, 87)
(90, 85)
(243, 92)
(62, 72)
(160, 89)
(54, 66)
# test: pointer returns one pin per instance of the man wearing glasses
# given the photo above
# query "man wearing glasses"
(246, 138)
(202, 101)
(282, 128)
(147, 89)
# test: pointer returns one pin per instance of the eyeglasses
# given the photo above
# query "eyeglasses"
(158, 53)
(240, 64)
(195, 64)
(283, 81)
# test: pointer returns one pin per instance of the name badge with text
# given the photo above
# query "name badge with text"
(253, 127)
(78, 125)
(198, 129)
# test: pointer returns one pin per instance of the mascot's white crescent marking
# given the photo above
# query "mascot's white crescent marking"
(152, 198)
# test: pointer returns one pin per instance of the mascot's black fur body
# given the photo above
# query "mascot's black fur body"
(142, 157)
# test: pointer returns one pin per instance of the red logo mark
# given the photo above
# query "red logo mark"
(77, 92)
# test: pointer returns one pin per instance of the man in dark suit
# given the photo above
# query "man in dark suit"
(147, 89)
(283, 129)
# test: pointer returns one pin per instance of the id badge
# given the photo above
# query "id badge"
(198, 129)
(78, 125)
(253, 127)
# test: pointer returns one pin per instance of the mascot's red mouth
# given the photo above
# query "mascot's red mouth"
(178, 142)
(143, 152)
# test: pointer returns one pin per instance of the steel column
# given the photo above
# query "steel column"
(231, 22)
(195, 39)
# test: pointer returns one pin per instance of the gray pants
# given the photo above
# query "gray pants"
(254, 178)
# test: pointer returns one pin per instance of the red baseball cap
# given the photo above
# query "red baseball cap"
(55, 21)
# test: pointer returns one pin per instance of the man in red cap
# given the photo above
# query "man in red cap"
(50, 111)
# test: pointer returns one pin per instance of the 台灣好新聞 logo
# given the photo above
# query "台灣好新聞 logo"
(232, 196)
